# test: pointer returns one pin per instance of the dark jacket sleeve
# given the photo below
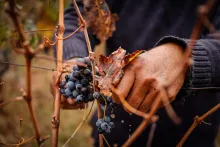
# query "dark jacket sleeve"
(205, 70)
(74, 46)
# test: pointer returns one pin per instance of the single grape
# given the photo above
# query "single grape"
(109, 99)
(79, 99)
(76, 74)
(108, 130)
(71, 85)
(104, 126)
(62, 90)
(99, 122)
(96, 95)
(84, 82)
(90, 90)
(77, 82)
(87, 61)
(62, 84)
(107, 119)
(84, 90)
(86, 72)
(89, 77)
(111, 124)
(75, 68)
(75, 93)
(100, 130)
(78, 87)
(68, 92)
(90, 97)
(71, 78)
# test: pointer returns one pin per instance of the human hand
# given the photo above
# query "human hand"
(139, 85)
(66, 103)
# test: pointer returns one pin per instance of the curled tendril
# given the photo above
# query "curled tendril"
(52, 43)
(21, 139)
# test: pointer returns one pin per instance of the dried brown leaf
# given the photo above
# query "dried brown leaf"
(111, 69)
(99, 19)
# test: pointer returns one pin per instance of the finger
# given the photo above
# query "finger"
(82, 105)
(148, 100)
(63, 100)
(71, 101)
(125, 85)
(138, 92)
(168, 107)
(53, 83)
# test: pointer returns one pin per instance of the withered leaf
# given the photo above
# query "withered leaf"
(111, 69)
(99, 19)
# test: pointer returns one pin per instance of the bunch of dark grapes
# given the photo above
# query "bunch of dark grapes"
(78, 84)
(104, 125)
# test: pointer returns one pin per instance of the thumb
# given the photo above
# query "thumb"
(124, 86)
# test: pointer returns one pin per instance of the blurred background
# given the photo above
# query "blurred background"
(37, 14)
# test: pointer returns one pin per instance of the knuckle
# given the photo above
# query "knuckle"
(171, 98)
(133, 102)
(138, 63)
(171, 94)
(149, 80)
(143, 108)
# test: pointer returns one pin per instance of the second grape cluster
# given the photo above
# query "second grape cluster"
(104, 125)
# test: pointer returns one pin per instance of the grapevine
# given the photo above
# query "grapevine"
(87, 81)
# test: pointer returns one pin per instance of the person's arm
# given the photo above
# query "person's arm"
(205, 71)
(139, 84)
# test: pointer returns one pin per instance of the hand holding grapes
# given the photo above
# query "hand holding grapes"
(72, 84)
(138, 85)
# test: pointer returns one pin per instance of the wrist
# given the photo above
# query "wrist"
(168, 51)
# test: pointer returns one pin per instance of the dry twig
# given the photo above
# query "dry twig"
(21, 139)
(59, 48)
(91, 55)
(151, 135)
(82, 122)
(11, 100)
(12, 11)
(197, 120)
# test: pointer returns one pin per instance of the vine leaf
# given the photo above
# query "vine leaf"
(99, 19)
(111, 69)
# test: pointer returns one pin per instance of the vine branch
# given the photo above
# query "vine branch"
(57, 100)
(13, 13)
(197, 120)
(91, 55)
(21, 139)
